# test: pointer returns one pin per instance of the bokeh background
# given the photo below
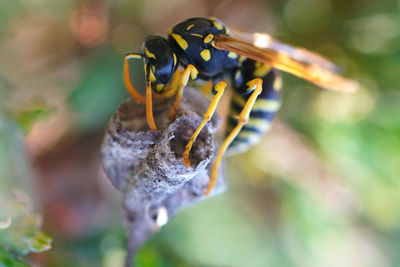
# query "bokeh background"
(321, 189)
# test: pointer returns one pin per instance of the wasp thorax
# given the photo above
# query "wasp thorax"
(159, 58)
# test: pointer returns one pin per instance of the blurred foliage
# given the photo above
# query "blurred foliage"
(21, 235)
(9, 9)
(321, 189)
(20, 232)
(27, 118)
(95, 106)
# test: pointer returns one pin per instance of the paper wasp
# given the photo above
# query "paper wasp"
(209, 51)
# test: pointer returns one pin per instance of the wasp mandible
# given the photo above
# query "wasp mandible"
(207, 50)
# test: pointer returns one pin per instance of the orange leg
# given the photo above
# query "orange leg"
(191, 72)
(243, 118)
(219, 87)
(149, 101)
(127, 80)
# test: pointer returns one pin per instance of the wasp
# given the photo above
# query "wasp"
(207, 50)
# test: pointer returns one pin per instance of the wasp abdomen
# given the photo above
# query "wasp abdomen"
(264, 109)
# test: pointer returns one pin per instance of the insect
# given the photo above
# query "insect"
(207, 50)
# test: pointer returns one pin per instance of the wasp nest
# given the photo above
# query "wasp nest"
(148, 168)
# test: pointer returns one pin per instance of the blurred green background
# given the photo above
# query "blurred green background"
(321, 189)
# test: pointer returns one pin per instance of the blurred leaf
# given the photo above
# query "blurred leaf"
(5, 89)
(23, 235)
(13, 163)
(160, 256)
(29, 116)
(7, 260)
(38, 242)
(13, 174)
(8, 11)
(20, 232)
(100, 92)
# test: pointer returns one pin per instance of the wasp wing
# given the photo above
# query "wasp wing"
(264, 40)
(297, 61)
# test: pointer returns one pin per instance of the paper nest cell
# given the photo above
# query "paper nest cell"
(148, 168)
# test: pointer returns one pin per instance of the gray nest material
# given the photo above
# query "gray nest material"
(147, 166)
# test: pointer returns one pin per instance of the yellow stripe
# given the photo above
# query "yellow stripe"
(260, 124)
(238, 148)
(262, 105)
(251, 137)
(205, 54)
(189, 27)
(216, 24)
(148, 53)
(277, 83)
(181, 42)
(208, 38)
(174, 58)
(257, 123)
(197, 35)
(265, 105)
(232, 55)
(261, 69)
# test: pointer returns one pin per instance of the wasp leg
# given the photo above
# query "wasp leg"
(149, 101)
(191, 72)
(127, 80)
(219, 88)
(243, 118)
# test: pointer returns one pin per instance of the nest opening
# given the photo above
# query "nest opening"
(199, 149)
(131, 115)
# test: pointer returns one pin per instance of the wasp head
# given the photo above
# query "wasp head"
(160, 61)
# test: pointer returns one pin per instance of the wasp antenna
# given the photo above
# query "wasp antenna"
(127, 80)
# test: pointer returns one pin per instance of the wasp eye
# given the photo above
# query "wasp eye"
(160, 57)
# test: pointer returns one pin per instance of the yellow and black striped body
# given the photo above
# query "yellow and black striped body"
(203, 49)
(191, 42)
(264, 109)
